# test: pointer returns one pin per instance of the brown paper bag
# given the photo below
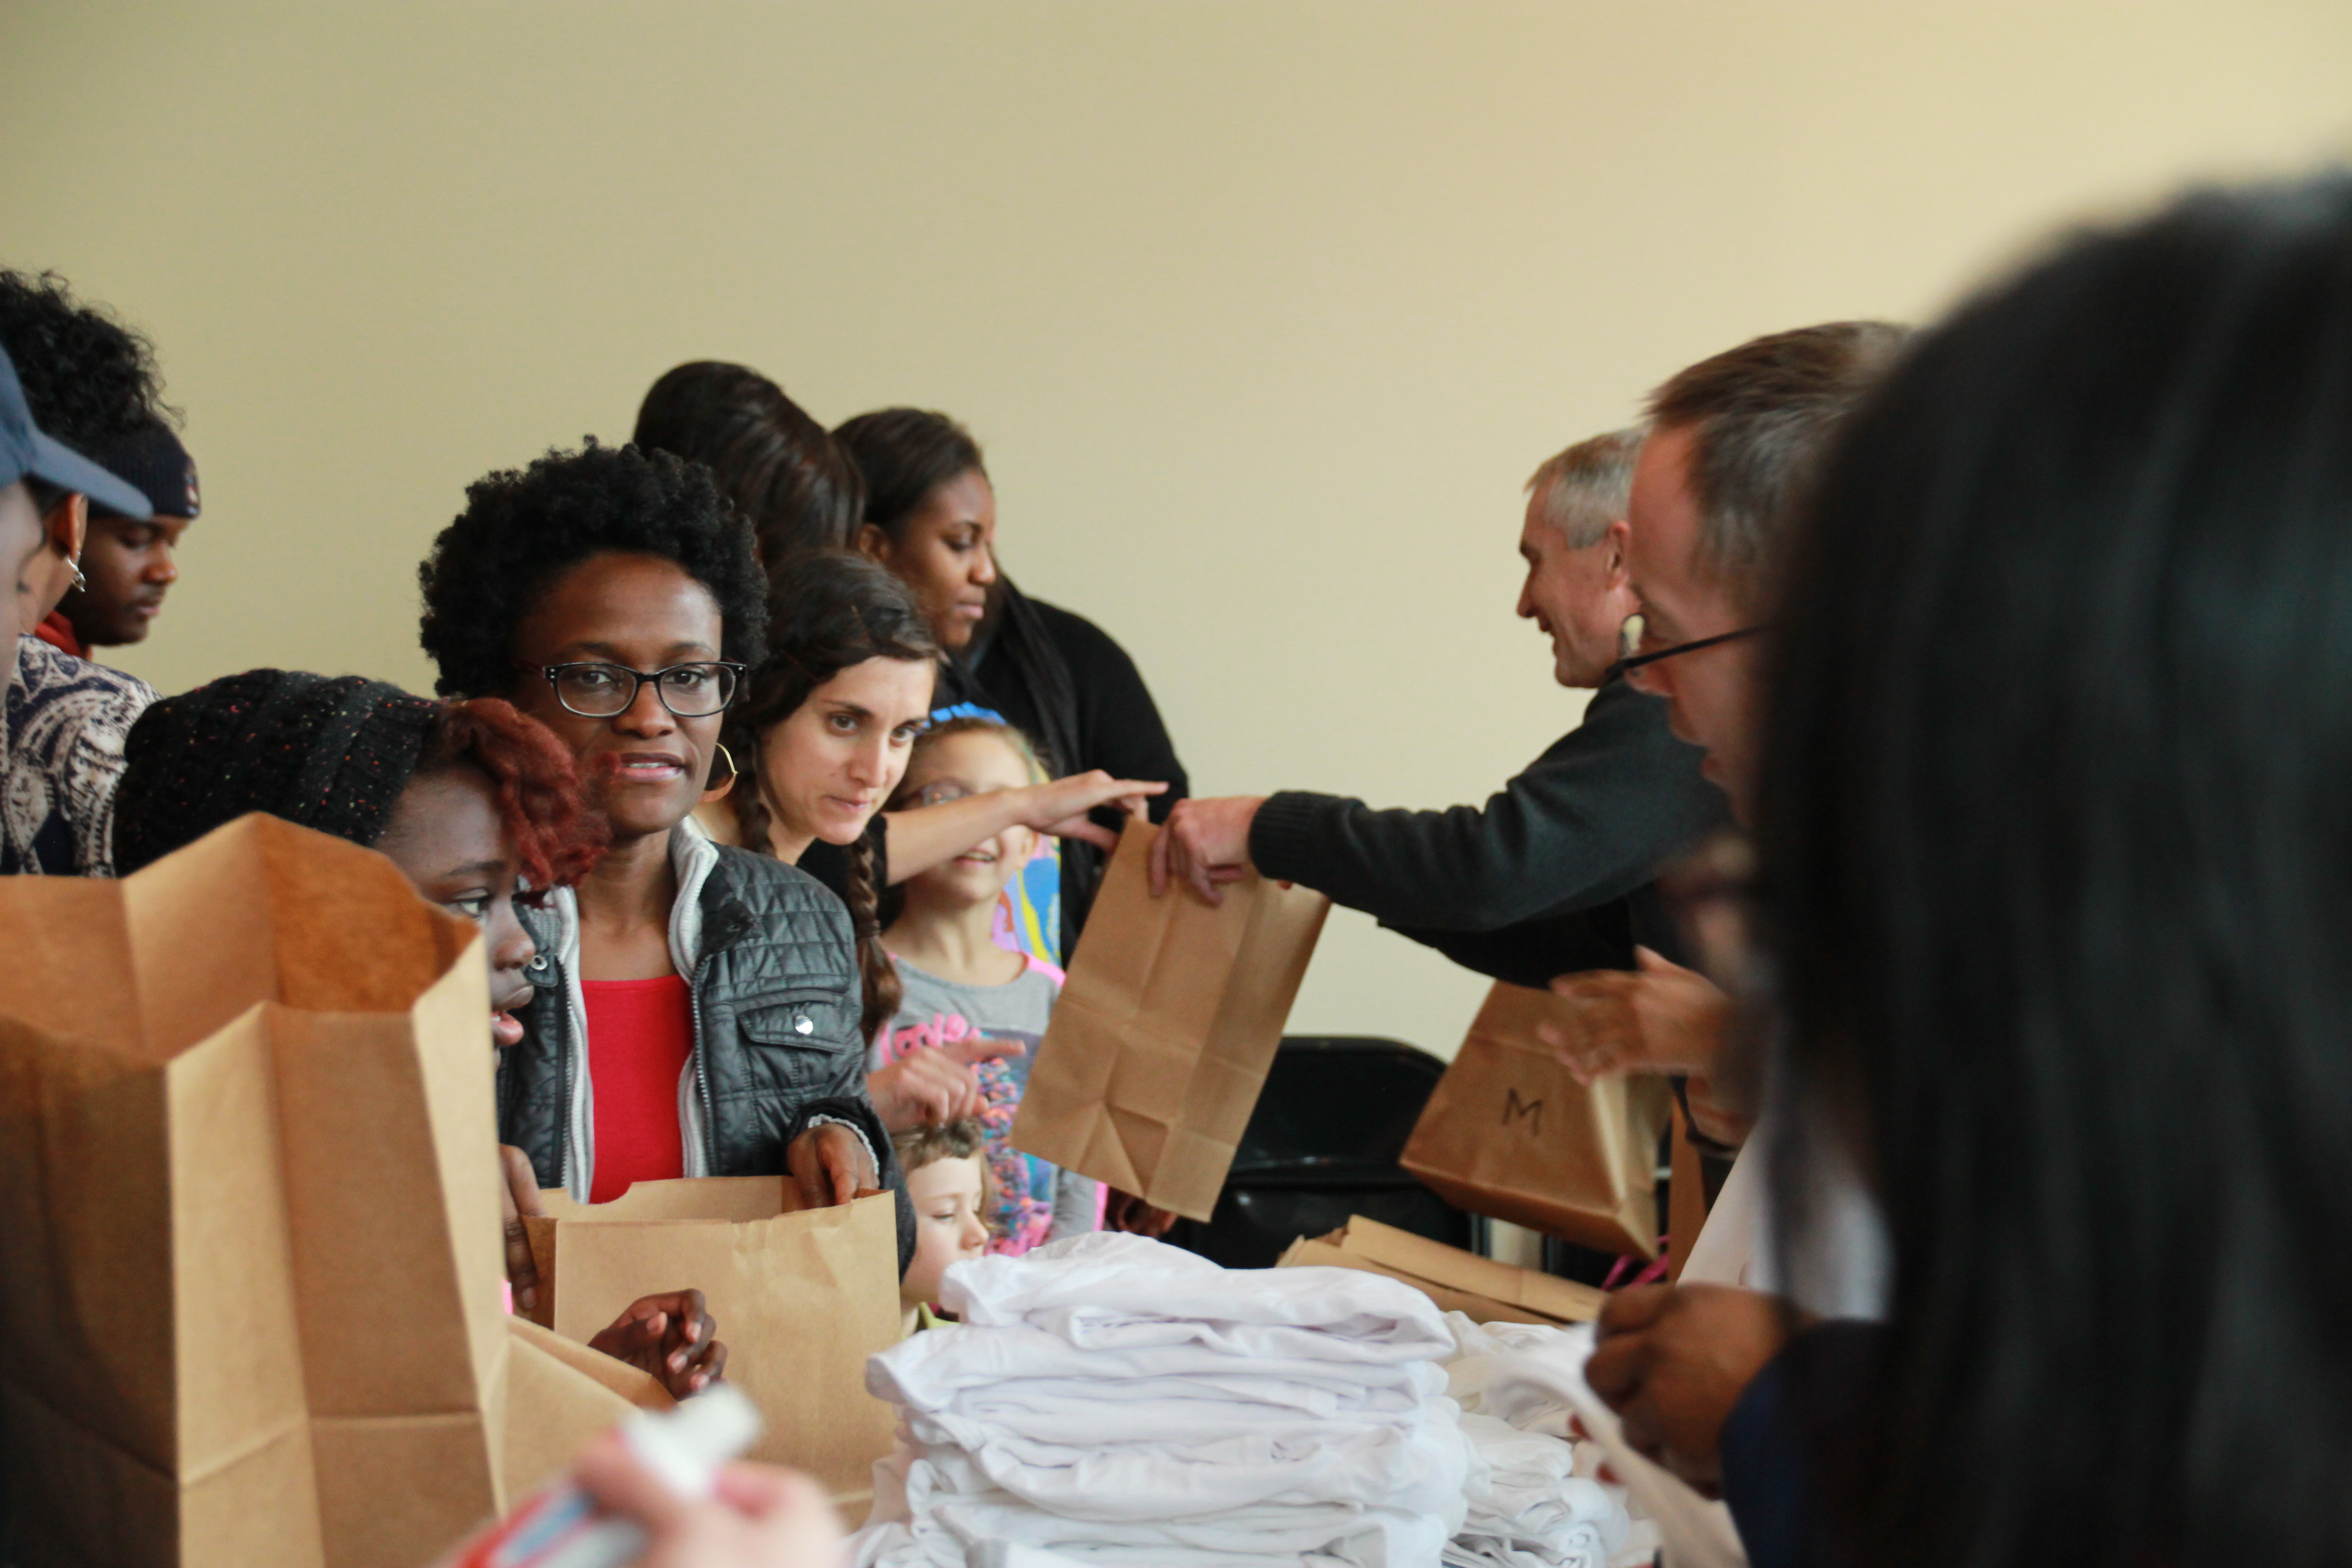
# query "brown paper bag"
(802, 1300)
(1480, 1288)
(249, 1212)
(559, 1395)
(1162, 1036)
(1510, 1133)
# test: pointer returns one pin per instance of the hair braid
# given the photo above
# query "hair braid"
(878, 975)
(745, 800)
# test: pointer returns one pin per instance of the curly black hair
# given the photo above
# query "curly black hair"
(521, 530)
(89, 379)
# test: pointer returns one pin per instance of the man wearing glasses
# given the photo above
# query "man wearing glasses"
(1720, 485)
(1737, 440)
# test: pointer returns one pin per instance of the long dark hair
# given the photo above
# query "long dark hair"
(2058, 869)
(833, 610)
(783, 471)
(904, 454)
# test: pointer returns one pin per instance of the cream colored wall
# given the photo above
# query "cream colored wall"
(1264, 309)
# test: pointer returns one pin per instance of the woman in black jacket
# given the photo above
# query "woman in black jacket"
(695, 1009)
(930, 517)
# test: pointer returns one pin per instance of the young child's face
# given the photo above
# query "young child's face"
(973, 762)
(948, 1227)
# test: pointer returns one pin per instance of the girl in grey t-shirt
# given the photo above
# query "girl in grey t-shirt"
(963, 977)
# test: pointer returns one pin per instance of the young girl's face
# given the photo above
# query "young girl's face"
(828, 766)
(948, 1228)
(972, 761)
(447, 836)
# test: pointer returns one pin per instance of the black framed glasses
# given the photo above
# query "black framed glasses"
(1633, 662)
(694, 691)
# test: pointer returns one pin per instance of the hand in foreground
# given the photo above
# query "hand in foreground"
(757, 1516)
(829, 1165)
(1206, 843)
(932, 1086)
(1672, 1361)
(671, 1339)
(1659, 1017)
(1711, 1117)
(1060, 807)
(519, 1200)
(1125, 1211)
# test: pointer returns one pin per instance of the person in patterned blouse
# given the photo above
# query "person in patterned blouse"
(63, 719)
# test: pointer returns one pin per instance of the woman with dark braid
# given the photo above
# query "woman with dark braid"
(820, 739)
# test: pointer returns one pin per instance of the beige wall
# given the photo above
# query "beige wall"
(1264, 310)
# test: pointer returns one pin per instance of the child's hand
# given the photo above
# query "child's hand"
(929, 1086)
(671, 1337)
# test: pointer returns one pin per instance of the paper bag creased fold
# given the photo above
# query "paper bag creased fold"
(248, 1212)
(801, 1297)
(1163, 1035)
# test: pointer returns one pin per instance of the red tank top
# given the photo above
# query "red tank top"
(640, 1033)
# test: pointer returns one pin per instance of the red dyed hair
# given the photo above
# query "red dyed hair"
(558, 836)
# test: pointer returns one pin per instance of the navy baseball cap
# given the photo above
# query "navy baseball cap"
(24, 450)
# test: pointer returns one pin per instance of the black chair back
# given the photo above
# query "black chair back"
(1322, 1145)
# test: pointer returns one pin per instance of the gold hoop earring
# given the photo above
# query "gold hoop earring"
(713, 793)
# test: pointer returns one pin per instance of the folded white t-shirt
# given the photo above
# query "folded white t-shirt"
(1113, 1290)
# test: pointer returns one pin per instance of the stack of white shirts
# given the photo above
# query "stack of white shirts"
(1110, 1400)
(1532, 1379)
(1536, 1510)
(1541, 1508)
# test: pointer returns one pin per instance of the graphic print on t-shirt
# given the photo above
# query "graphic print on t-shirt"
(940, 1012)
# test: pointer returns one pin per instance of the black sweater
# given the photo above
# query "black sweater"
(1119, 729)
(1536, 882)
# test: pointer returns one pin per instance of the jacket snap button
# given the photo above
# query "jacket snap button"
(801, 1025)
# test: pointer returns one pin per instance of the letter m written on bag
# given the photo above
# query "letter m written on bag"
(1510, 1133)
(1528, 1112)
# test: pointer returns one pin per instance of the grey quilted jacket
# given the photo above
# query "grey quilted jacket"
(771, 964)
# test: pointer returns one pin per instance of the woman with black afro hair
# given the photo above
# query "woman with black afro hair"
(694, 1006)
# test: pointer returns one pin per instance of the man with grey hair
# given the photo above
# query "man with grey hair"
(1573, 541)
(1552, 874)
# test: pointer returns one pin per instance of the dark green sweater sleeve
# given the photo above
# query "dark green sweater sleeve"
(1594, 817)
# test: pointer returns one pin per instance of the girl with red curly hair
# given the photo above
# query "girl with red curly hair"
(479, 805)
